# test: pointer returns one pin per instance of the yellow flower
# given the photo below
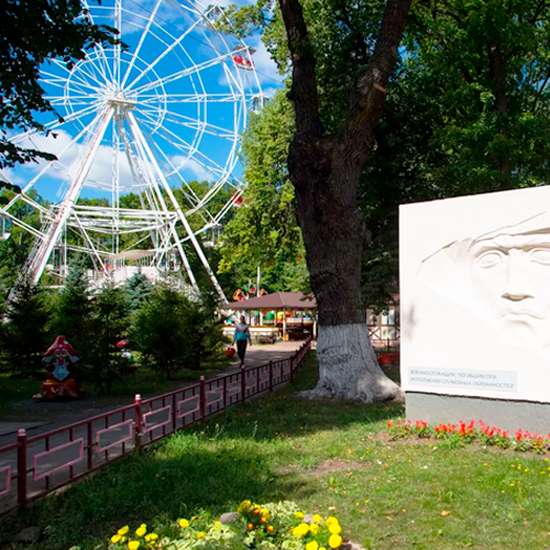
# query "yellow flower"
(332, 519)
(334, 528)
(217, 524)
(299, 515)
(141, 530)
(335, 541)
(151, 537)
(313, 545)
(245, 505)
(201, 535)
(133, 544)
(317, 518)
(115, 538)
(183, 523)
(265, 513)
(123, 530)
(301, 530)
(314, 528)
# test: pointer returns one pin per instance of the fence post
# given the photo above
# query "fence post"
(22, 467)
(291, 360)
(90, 449)
(243, 384)
(202, 396)
(225, 391)
(258, 379)
(174, 412)
(138, 419)
(271, 376)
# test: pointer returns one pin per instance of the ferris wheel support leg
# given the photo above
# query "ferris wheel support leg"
(158, 193)
(138, 135)
(38, 263)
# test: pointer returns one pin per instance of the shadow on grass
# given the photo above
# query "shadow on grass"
(177, 479)
(210, 467)
(285, 413)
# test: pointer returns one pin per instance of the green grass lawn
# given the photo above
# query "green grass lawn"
(329, 457)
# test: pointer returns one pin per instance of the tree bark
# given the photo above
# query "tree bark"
(325, 171)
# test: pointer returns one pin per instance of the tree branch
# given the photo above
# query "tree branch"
(303, 92)
(358, 132)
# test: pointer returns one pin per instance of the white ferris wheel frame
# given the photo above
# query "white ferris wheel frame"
(102, 86)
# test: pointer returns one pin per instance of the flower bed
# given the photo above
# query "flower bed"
(253, 526)
(468, 432)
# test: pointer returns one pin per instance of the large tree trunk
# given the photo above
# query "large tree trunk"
(325, 171)
(333, 231)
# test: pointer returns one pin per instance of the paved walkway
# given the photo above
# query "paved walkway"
(40, 416)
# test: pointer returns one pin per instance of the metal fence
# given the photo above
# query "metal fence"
(34, 466)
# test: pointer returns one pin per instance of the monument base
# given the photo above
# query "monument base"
(509, 415)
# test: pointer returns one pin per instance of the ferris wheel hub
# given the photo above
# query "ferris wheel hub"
(120, 103)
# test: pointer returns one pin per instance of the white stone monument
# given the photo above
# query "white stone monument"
(475, 308)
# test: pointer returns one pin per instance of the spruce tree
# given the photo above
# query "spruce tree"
(73, 315)
(24, 334)
(138, 288)
(110, 319)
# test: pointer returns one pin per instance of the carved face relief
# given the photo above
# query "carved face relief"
(511, 279)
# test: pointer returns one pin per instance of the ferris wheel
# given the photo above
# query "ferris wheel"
(147, 138)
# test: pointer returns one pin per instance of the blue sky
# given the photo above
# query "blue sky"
(183, 88)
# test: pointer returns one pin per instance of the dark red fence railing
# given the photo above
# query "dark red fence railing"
(34, 466)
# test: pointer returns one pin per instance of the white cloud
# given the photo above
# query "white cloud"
(70, 157)
(265, 66)
(191, 167)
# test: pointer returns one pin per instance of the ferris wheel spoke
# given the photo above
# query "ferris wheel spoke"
(195, 200)
(118, 25)
(140, 43)
(75, 75)
(195, 98)
(70, 99)
(106, 66)
(159, 58)
(55, 124)
(199, 201)
(50, 164)
(183, 145)
(187, 71)
(55, 80)
(73, 79)
(207, 127)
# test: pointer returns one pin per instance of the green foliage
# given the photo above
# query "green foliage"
(484, 65)
(29, 36)
(270, 526)
(110, 319)
(138, 289)
(23, 333)
(264, 231)
(468, 109)
(173, 332)
(73, 310)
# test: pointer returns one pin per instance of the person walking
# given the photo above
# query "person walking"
(242, 338)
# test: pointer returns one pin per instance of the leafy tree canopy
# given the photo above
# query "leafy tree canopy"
(31, 33)
(467, 110)
(264, 232)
